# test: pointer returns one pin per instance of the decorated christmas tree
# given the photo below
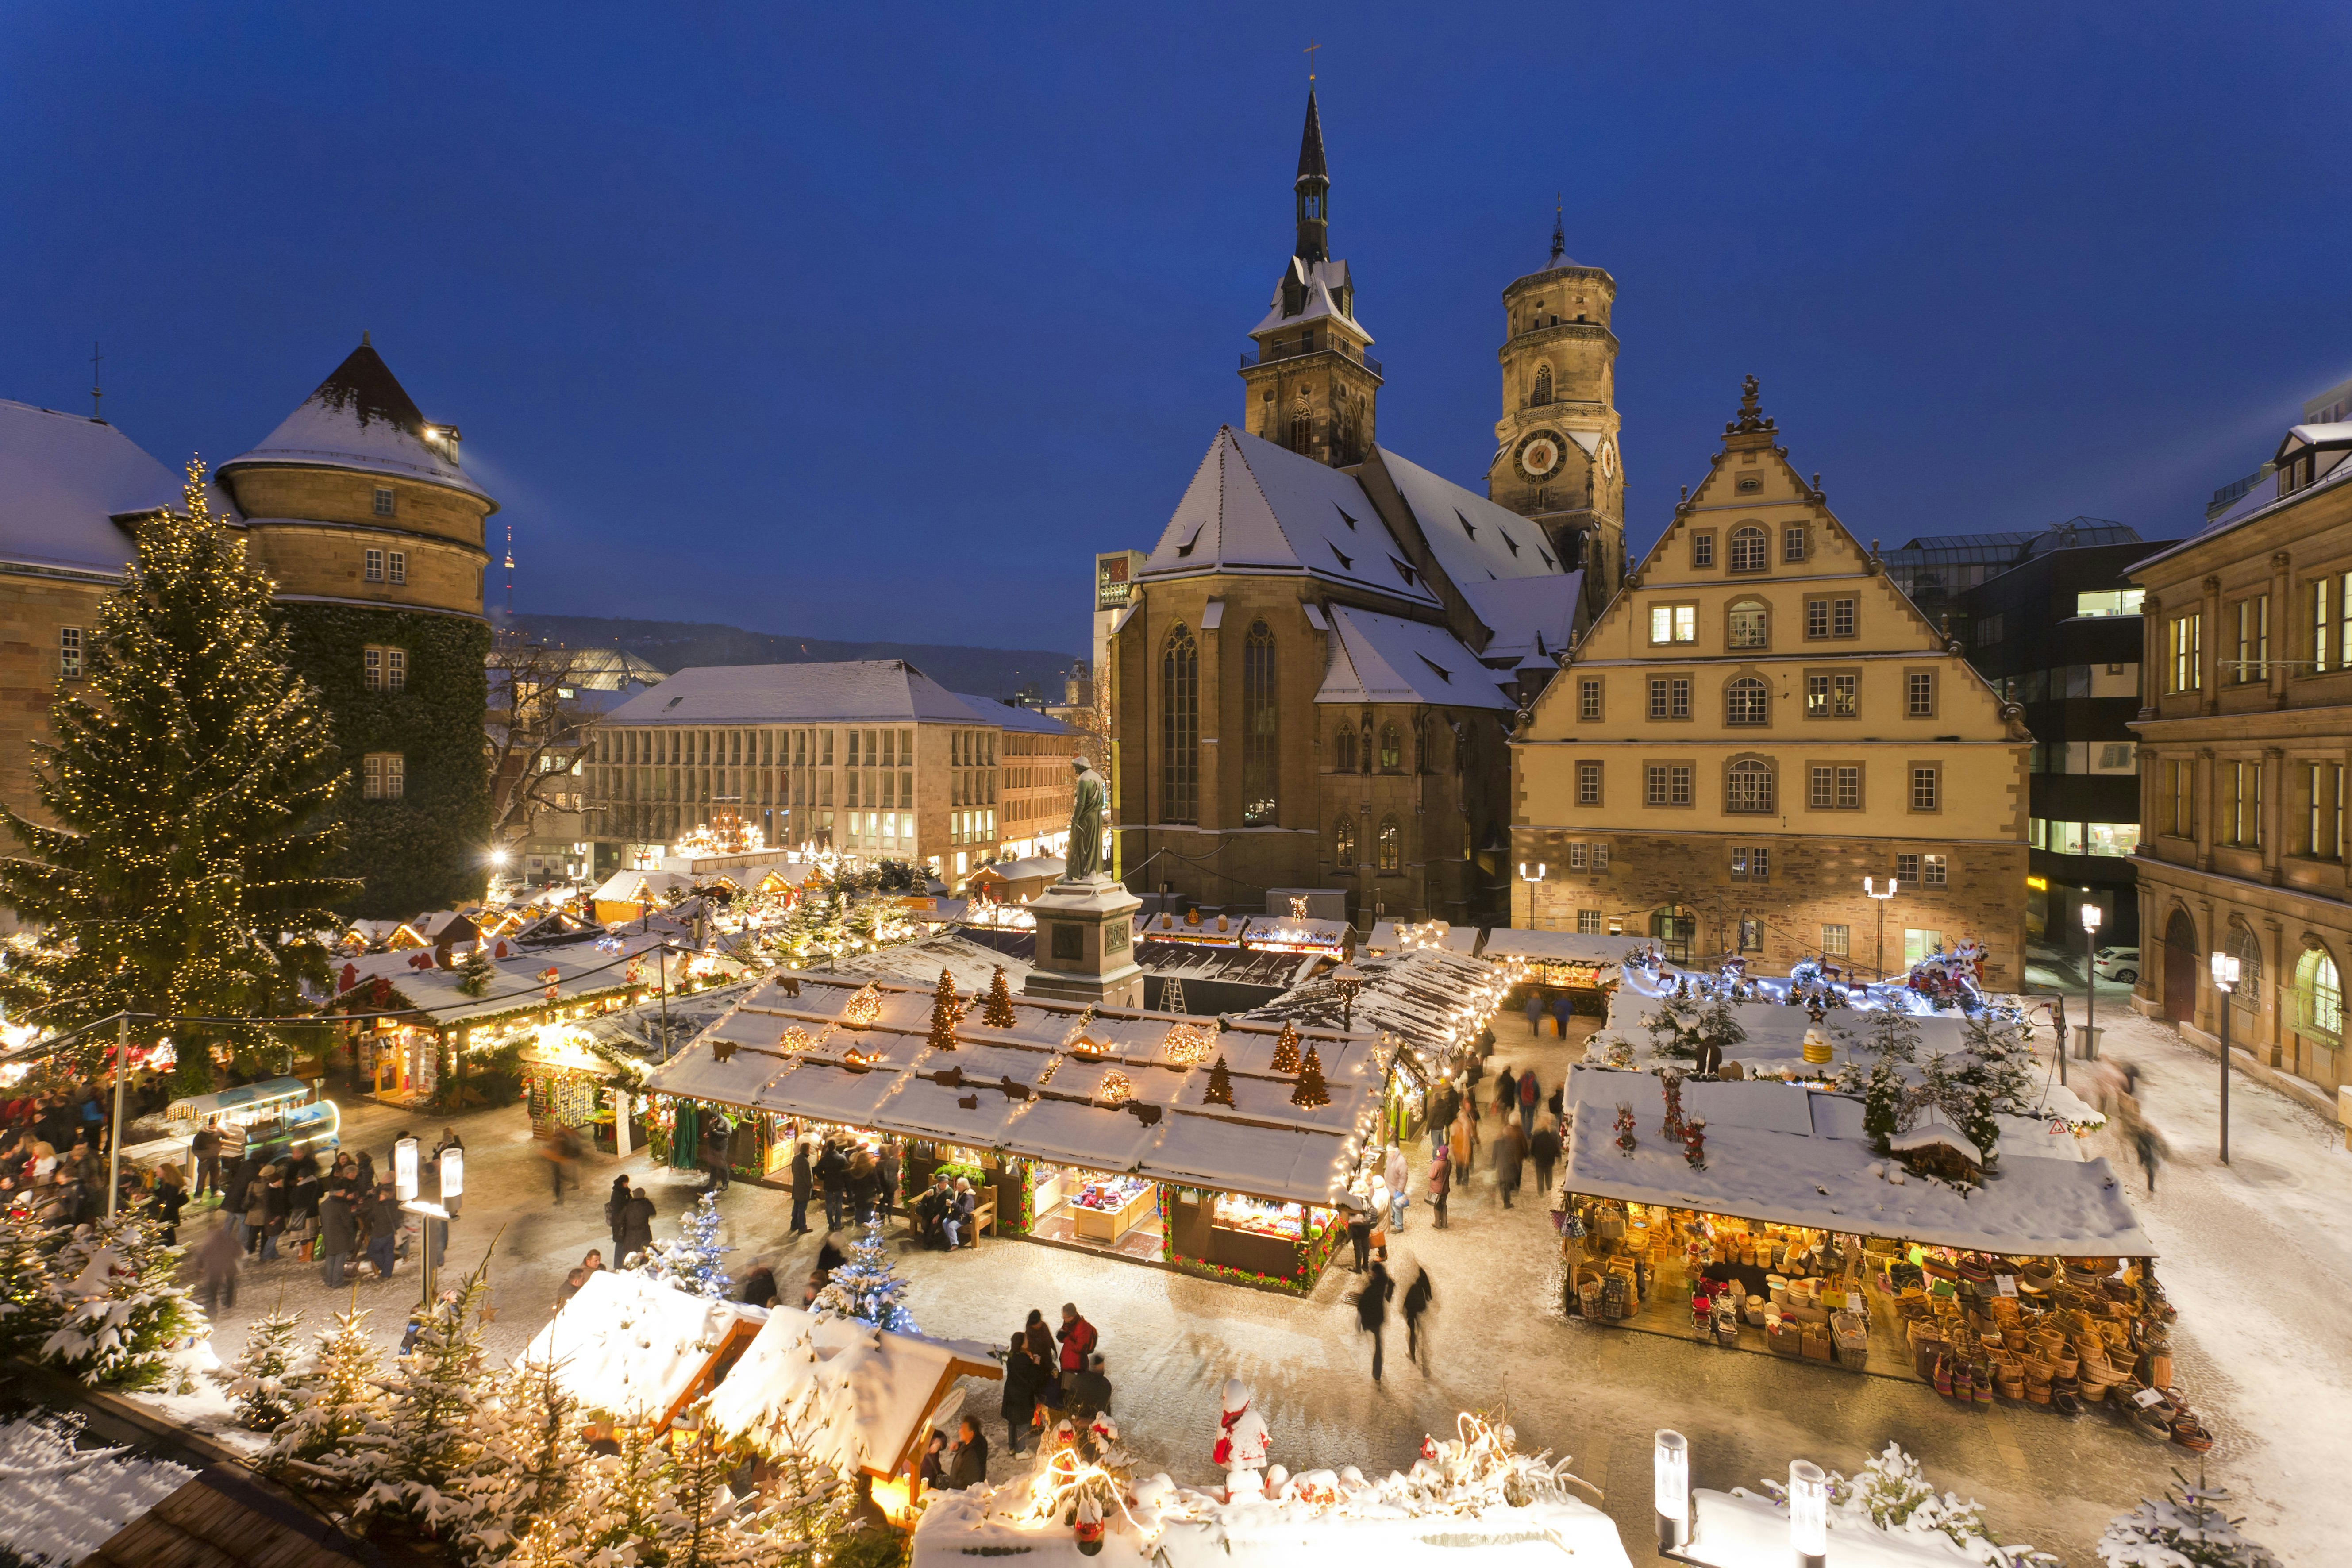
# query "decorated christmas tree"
(1286, 1048)
(945, 1011)
(261, 1381)
(692, 1261)
(868, 1287)
(474, 975)
(999, 1015)
(1311, 1092)
(534, 1501)
(1220, 1084)
(337, 1402)
(121, 1313)
(28, 1311)
(431, 1440)
(192, 778)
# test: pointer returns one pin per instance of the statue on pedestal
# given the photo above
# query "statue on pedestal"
(1089, 852)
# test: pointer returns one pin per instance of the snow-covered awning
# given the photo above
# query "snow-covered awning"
(843, 1392)
(1106, 1088)
(634, 1349)
(1794, 1155)
(1432, 1001)
(1506, 944)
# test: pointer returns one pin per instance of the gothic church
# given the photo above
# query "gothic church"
(1387, 624)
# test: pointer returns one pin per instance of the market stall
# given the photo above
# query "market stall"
(1111, 1130)
(1583, 966)
(1761, 1215)
(636, 1351)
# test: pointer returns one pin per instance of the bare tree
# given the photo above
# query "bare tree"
(537, 733)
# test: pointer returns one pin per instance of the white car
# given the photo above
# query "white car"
(2120, 964)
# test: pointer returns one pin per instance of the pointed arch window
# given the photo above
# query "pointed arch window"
(1543, 387)
(1180, 727)
(1260, 762)
(1392, 749)
(1343, 748)
(2318, 995)
(1343, 843)
(2247, 949)
(1302, 424)
(1391, 846)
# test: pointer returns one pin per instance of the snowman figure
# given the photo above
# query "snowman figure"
(1242, 1444)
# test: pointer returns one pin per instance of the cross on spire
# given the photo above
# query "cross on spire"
(1309, 52)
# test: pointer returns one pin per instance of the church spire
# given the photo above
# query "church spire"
(1314, 189)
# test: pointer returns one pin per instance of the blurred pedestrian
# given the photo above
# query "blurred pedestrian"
(1360, 1229)
(1373, 1311)
(1560, 1009)
(1418, 1297)
(1396, 1174)
(216, 1261)
(803, 1180)
(1510, 1157)
(1440, 1182)
(1535, 1011)
(1543, 1148)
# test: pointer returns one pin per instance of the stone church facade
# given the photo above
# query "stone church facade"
(1313, 676)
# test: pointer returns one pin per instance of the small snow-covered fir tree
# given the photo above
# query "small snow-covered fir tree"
(1891, 1492)
(2185, 1528)
(337, 1402)
(531, 1506)
(867, 1286)
(692, 1261)
(708, 1525)
(1951, 1086)
(121, 1312)
(28, 1311)
(1894, 1042)
(261, 1381)
(999, 1015)
(474, 975)
(2003, 1071)
(430, 1437)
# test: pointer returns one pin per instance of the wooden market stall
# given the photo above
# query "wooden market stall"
(1787, 1231)
(1582, 965)
(636, 1351)
(1219, 1149)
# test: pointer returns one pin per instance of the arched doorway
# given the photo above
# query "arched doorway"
(1673, 927)
(2179, 967)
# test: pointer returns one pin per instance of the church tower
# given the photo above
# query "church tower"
(1556, 457)
(1312, 388)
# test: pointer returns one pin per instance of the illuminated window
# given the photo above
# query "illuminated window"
(2319, 996)
(1392, 749)
(1750, 624)
(1391, 845)
(1343, 843)
(1673, 623)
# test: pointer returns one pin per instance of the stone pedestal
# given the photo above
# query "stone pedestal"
(1086, 944)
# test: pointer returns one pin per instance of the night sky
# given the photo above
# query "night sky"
(867, 322)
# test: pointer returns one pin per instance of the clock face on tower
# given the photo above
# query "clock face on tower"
(1540, 455)
(1608, 458)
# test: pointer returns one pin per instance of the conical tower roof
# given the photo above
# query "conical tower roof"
(361, 419)
(1310, 145)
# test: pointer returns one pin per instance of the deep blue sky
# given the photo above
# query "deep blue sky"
(878, 320)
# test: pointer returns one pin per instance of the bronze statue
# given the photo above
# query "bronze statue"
(1089, 852)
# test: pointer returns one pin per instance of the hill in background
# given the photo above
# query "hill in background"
(670, 646)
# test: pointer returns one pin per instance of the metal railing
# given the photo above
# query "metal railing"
(1278, 349)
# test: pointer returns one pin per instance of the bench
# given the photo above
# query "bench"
(983, 1214)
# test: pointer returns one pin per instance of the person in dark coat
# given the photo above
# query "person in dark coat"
(803, 1180)
(1089, 1394)
(969, 1466)
(760, 1286)
(934, 1472)
(1022, 1375)
(1561, 1009)
(337, 1230)
(1041, 1346)
(165, 1204)
(1510, 1157)
(717, 1134)
(1373, 1309)
(1441, 1181)
(205, 1149)
(1535, 1011)
(613, 1204)
(1418, 1297)
(1544, 1150)
(829, 1256)
(1444, 1105)
(1359, 1231)
(833, 1181)
(886, 1178)
(636, 1226)
(1507, 1092)
(380, 1212)
(234, 1192)
(218, 1262)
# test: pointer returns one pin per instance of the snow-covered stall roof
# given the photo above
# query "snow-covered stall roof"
(1429, 999)
(1786, 1153)
(1776, 1031)
(1555, 947)
(843, 1392)
(1107, 1088)
(1392, 936)
(632, 1348)
(630, 887)
(583, 971)
(974, 965)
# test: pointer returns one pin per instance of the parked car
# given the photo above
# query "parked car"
(2120, 964)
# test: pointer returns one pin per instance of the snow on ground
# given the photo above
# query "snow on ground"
(61, 1502)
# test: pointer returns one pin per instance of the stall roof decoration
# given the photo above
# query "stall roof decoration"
(1430, 999)
(1796, 1156)
(637, 1027)
(1030, 1089)
(1276, 933)
(1390, 937)
(843, 1392)
(631, 1348)
(1657, 978)
(584, 973)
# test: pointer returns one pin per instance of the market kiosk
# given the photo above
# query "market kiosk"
(1219, 1148)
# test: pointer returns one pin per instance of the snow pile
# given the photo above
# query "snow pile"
(60, 1503)
(629, 1346)
(1892, 1495)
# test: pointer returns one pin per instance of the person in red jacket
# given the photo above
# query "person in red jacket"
(1077, 1337)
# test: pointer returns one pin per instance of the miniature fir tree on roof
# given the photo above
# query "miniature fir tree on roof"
(474, 975)
(999, 1015)
(261, 1381)
(945, 1011)
(692, 1261)
(868, 1287)
(1311, 1092)
(1286, 1049)
(1220, 1084)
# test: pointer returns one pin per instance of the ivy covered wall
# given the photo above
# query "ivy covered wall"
(423, 851)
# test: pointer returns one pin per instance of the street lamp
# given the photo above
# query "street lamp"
(1808, 1513)
(1670, 1472)
(453, 1177)
(1346, 980)
(2091, 915)
(2225, 980)
(404, 1169)
(1869, 887)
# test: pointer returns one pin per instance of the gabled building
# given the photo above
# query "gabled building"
(1312, 671)
(1758, 722)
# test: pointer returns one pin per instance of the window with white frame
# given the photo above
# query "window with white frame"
(69, 652)
(1588, 923)
(372, 565)
(397, 565)
(1836, 940)
(1587, 784)
(384, 775)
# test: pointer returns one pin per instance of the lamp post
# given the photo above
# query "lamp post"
(1808, 1513)
(1346, 980)
(1669, 1472)
(2091, 918)
(1869, 885)
(122, 1069)
(2225, 981)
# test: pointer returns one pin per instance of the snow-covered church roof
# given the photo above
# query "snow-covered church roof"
(1321, 282)
(361, 419)
(1381, 658)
